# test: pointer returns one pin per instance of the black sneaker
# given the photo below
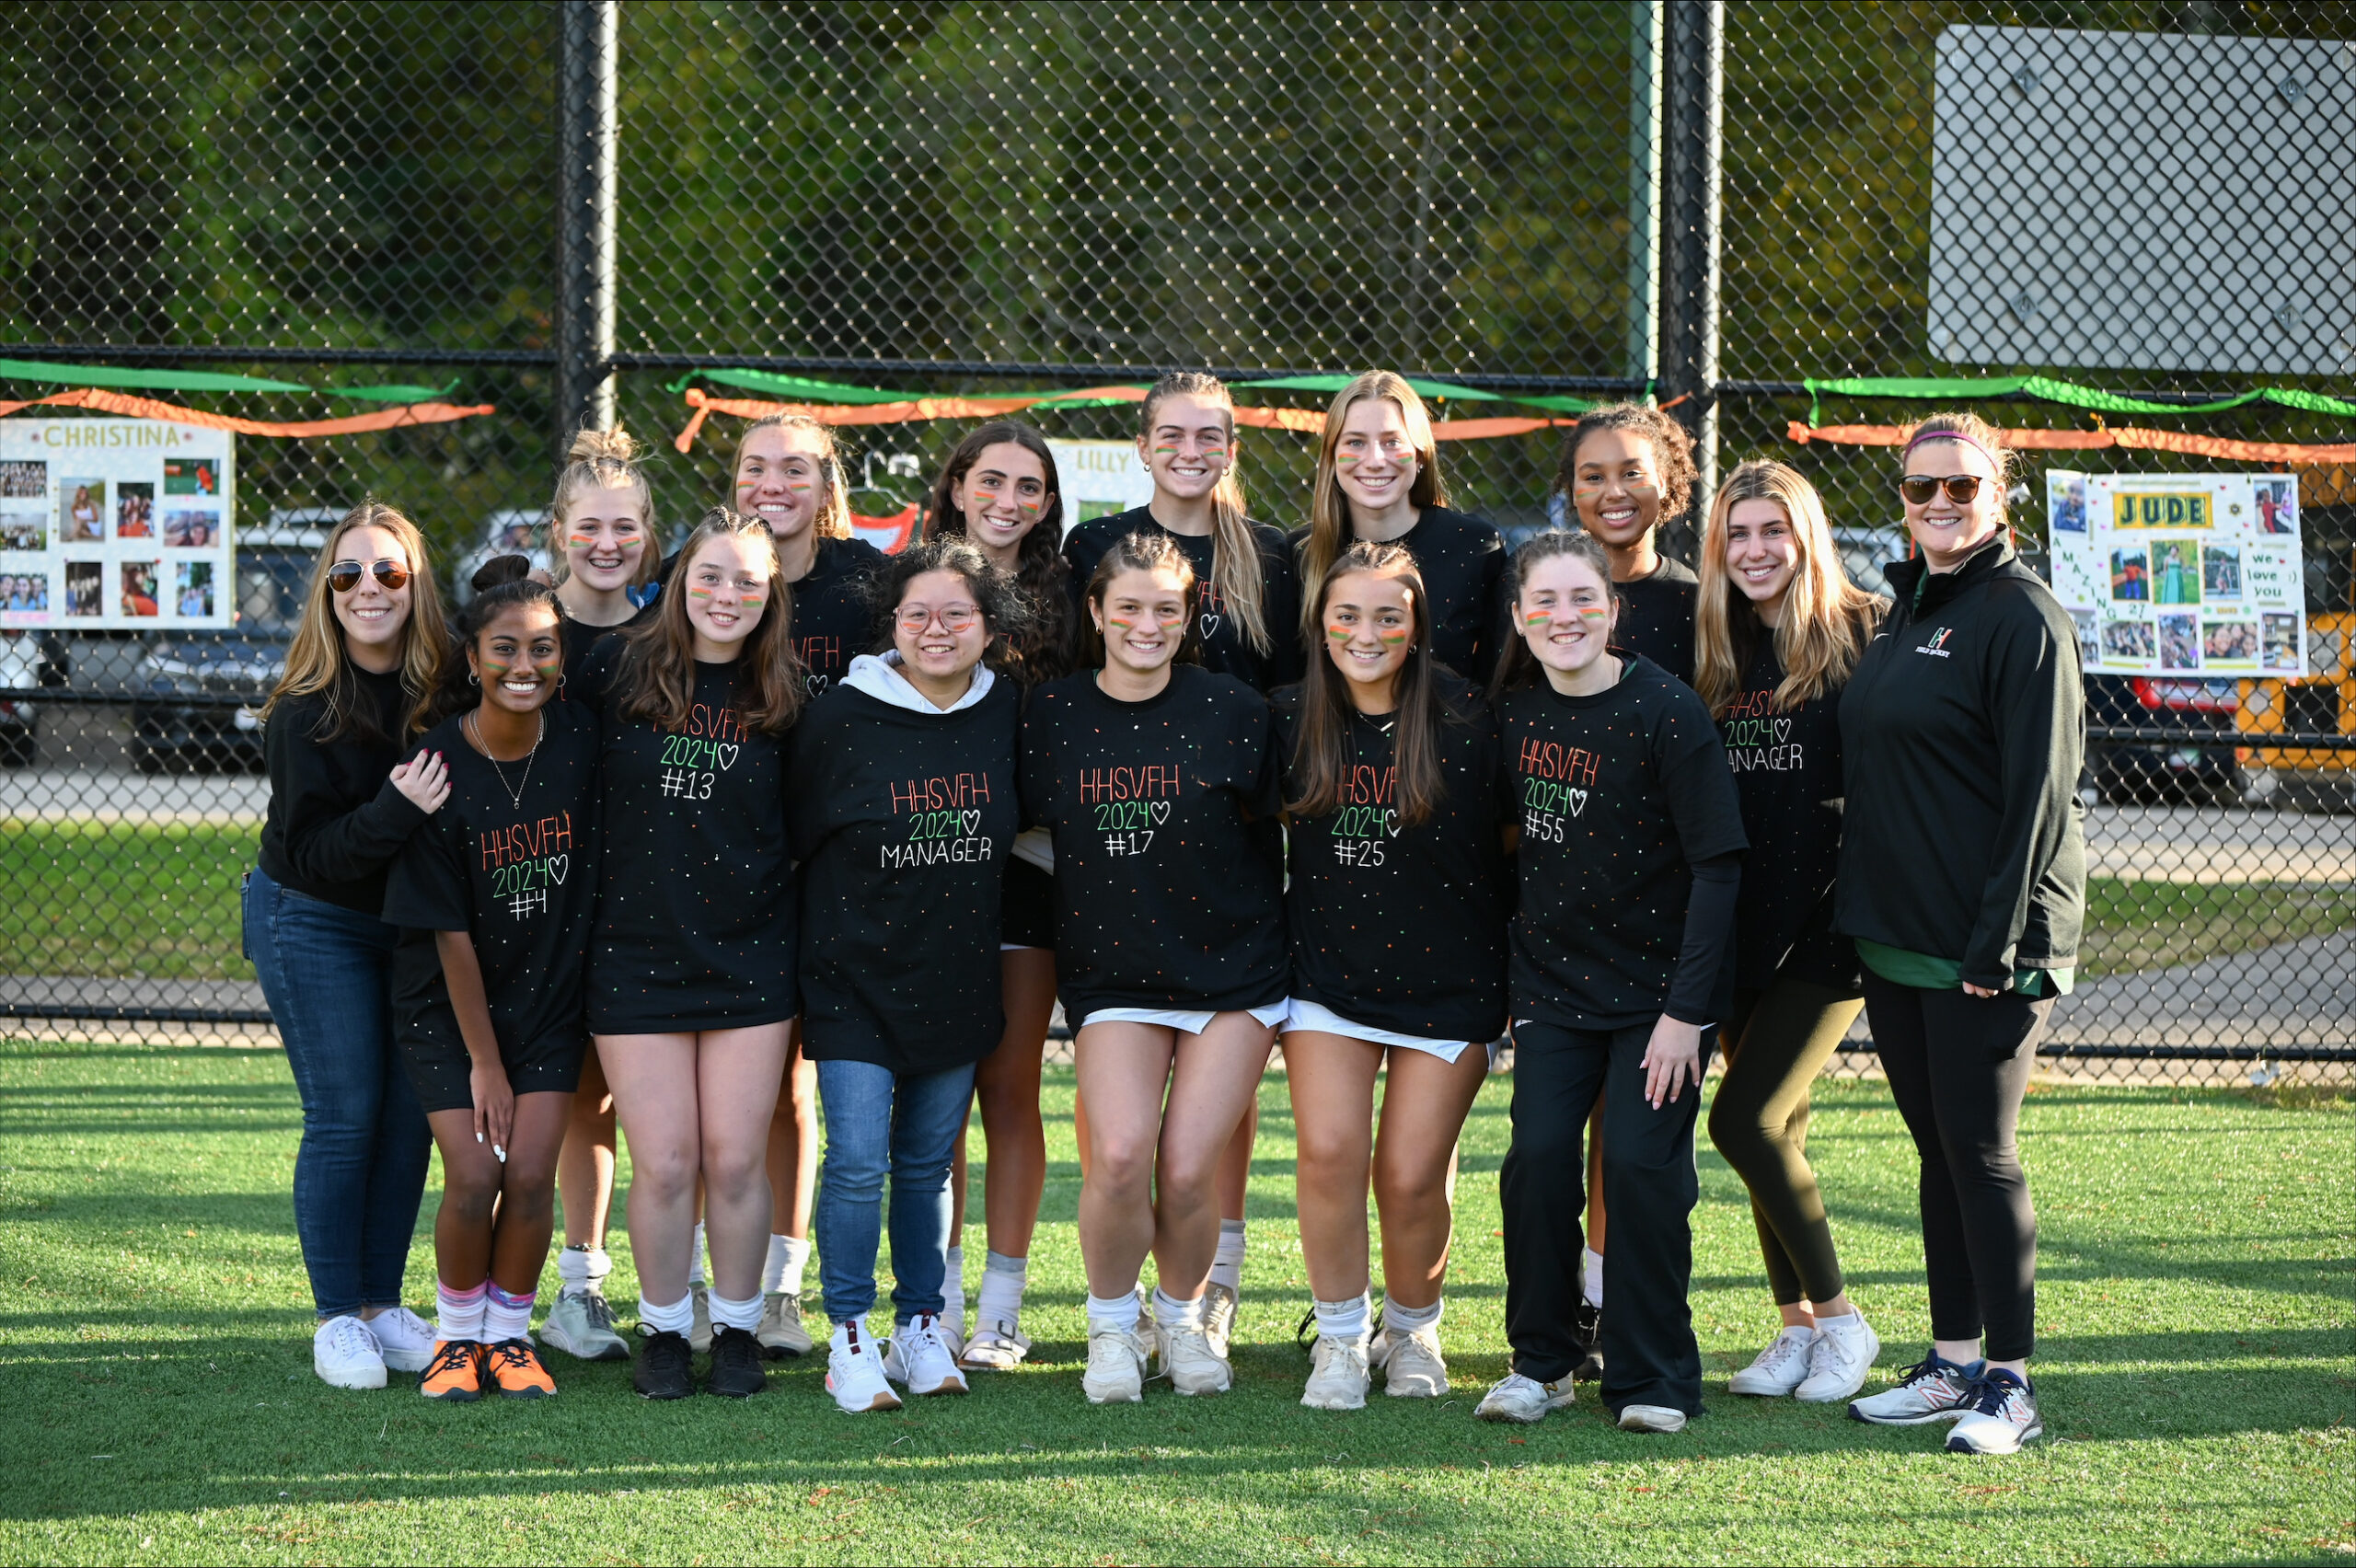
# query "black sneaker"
(736, 1364)
(1587, 1333)
(666, 1368)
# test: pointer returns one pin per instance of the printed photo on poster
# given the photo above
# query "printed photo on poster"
(2229, 644)
(2175, 573)
(135, 511)
(2280, 648)
(24, 530)
(81, 509)
(2065, 506)
(24, 480)
(2179, 642)
(2089, 647)
(85, 583)
(195, 589)
(139, 589)
(2130, 575)
(191, 529)
(2128, 641)
(2221, 572)
(191, 476)
(2277, 503)
(24, 592)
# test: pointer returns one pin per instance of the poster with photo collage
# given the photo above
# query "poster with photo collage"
(2181, 574)
(116, 524)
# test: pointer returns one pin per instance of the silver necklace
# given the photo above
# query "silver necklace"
(516, 794)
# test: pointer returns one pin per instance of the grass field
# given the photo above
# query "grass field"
(2195, 1366)
(117, 899)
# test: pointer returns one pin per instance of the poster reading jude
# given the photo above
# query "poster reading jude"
(116, 523)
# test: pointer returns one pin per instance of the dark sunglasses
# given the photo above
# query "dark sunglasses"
(1920, 488)
(344, 575)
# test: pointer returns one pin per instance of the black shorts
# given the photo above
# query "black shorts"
(1027, 918)
(443, 1073)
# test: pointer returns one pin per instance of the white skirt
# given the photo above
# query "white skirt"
(1183, 1022)
(1316, 1016)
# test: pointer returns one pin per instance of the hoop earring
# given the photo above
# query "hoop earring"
(473, 679)
(559, 685)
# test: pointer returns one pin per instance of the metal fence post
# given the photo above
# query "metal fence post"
(586, 179)
(1643, 189)
(1694, 46)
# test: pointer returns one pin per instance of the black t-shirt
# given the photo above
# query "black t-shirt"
(581, 642)
(1787, 776)
(335, 821)
(695, 901)
(832, 621)
(1397, 927)
(1656, 617)
(520, 878)
(902, 821)
(1224, 650)
(1619, 795)
(1463, 560)
(1168, 899)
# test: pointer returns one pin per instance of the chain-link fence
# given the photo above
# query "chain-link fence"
(568, 207)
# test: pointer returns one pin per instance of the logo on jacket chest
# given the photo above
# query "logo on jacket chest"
(1937, 646)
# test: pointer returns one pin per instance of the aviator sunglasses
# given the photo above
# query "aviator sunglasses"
(1919, 489)
(344, 575)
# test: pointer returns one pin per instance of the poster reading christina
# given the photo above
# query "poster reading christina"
(116, 523)
(2180, 574)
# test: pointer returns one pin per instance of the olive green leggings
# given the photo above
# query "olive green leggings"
(1777, 1042)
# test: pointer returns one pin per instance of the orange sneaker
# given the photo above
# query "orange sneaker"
(455, 1373)
(515, 1368)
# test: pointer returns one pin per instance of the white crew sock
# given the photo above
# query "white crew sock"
(782, 1273)
(582, 1267)
(1591, 1278)
(1118, 1312)
(952, 1286)
(1001, 1297)
(1344, 1321)
(694, 1260)
(1844, 1323)
(1404, 1321)
(744, 1315)
(1227, 1266)
(506, 1316)
(457, 1314)
(676, 1318)
(1172, 1313)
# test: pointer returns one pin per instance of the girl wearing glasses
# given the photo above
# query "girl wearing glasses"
(691, 969)
(1779, 629)
(997, 492)
(359, 675)
(902, 813)
(1149, 770)
(1629, 855)
(1962, 736)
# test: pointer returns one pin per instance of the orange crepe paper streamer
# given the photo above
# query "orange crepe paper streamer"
(173, 413)
(2128, 436)
(704, 405)
(1489, 430)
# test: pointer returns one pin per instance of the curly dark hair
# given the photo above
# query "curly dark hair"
(1672, 449)
(1006, 610)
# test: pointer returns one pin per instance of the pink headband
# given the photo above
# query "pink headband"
(1993, 461)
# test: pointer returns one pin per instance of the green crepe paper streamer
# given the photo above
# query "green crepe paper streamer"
(2051, 391)
(1335, 383)
(140, 380)
(800, 388)
(395, 393)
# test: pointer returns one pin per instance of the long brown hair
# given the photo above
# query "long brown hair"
(1827, 619)
(1237, 578)
(316, 662)
(1517, 665)
(1324, 754)
(599, 458)
(833, 521)
(1143, 552)
(1328, 509)
(1041, 648)
(655, 679)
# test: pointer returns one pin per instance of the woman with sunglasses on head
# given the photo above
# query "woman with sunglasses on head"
(1962, 736)
(902, 813)
(691, 969)
(1628, 862)
(1779, 629)
(362, 668)
(997, 492)
(1250, 608)
(1396, 911)
(1150, 771)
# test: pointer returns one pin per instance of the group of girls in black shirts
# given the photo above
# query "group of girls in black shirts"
(818, 830)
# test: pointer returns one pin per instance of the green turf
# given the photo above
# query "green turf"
(2196, 1369)
(119, 899)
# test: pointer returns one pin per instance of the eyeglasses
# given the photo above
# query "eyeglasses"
(344, 575)
(1920, 488)
(952, 617)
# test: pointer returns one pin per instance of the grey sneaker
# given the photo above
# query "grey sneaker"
(782, 1332)
(1191, 1363)
(581, 1324)
(1838, 1362)
(1337, 1375)
(1931, 1389)
(1778, 1369)
(1525, 1399)
(1219, 1318)
(1116, 1372)
(2002, 1416)
(1651, 1418)
(1412, 1366)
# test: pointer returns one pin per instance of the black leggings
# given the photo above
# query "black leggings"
(1958, 1067)
(1777, 1042)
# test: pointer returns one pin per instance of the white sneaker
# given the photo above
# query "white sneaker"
(781, 1331)
(699, 1331)
(1931, 1389)
(1515, 1398)
(1412, 1366)
(855, 1372)
(345, 1355)
(1838, 1362)
(1116, 1372)
(918, 1358)
(1191, 1363)
(405, 1340)
(1651, 1418)
(581, 1324)
(1220, 1305)
(1778, 1369)
(1338, 1378)
(2002, 1416)
(995, 1347)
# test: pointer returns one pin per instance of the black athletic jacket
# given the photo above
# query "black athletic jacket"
(1962, 734)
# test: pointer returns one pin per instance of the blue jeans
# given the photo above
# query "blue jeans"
(878, 1121)
(360, 1171)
